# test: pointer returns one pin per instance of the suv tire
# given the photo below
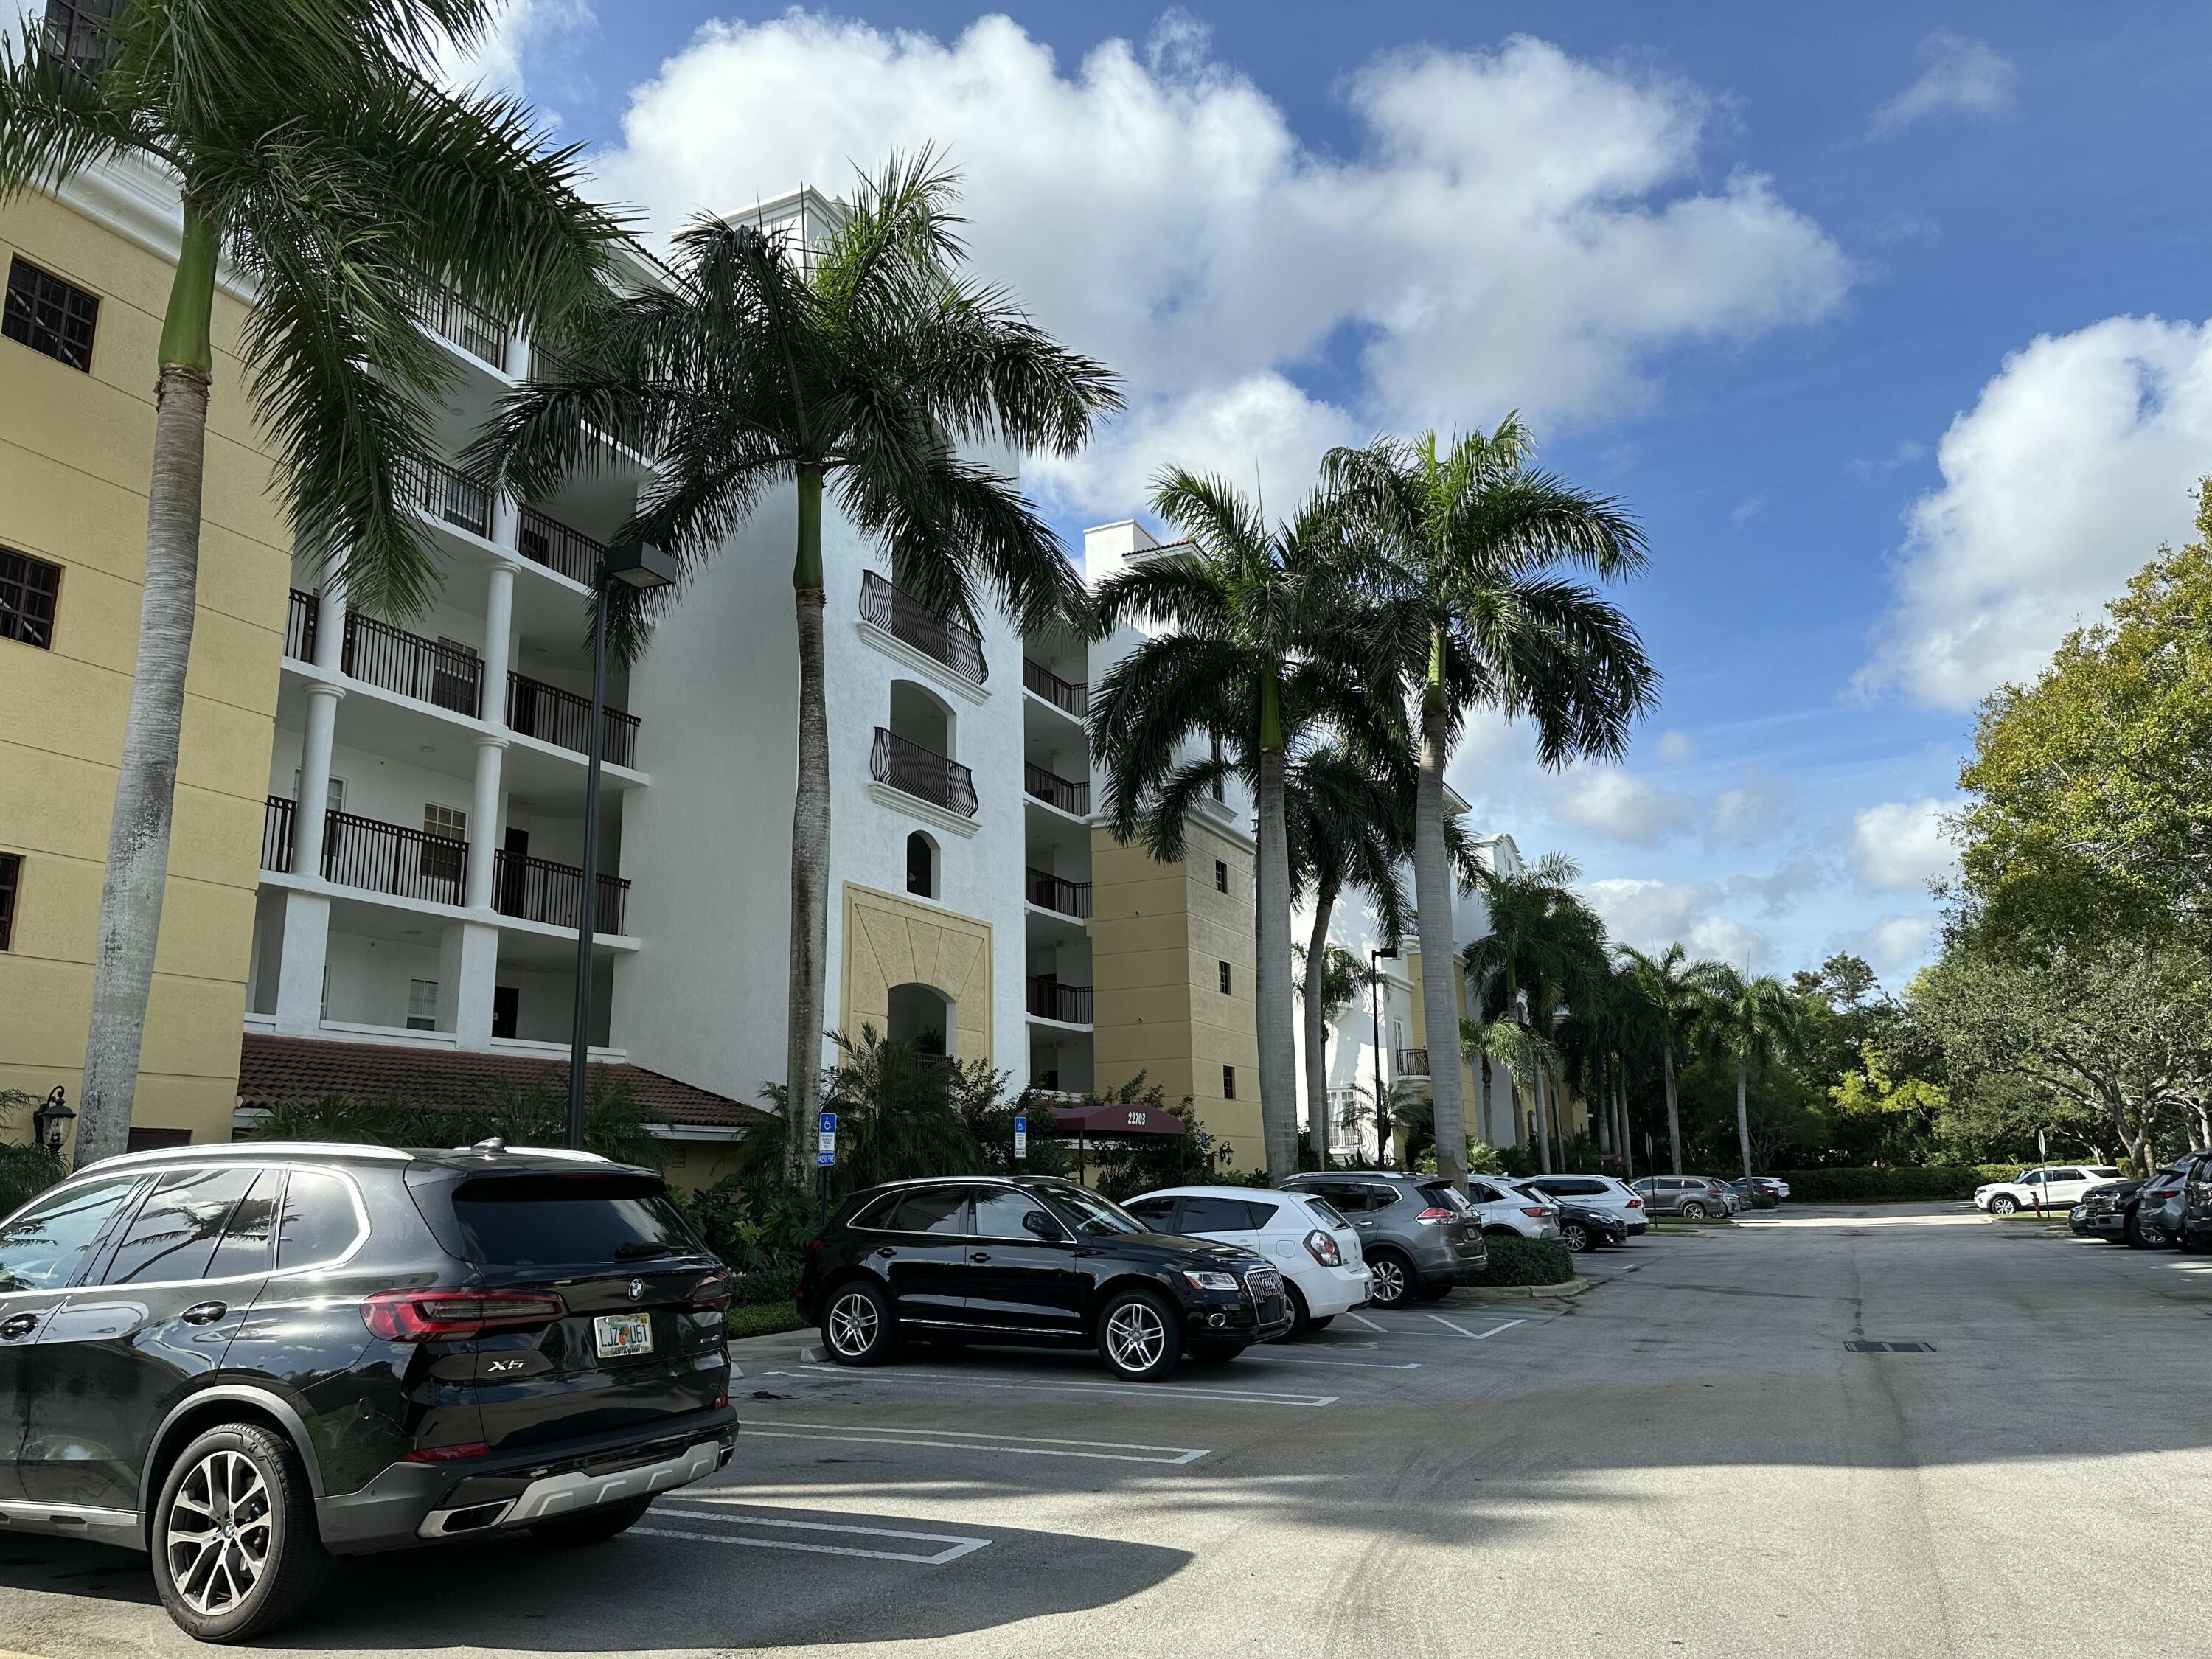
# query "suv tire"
(1393, 1278)
(235, 1506)
(2004, 1204)
(856, 1323)
(1301, 1316)
(1693, 1210)
(1137, 1336)
(592, 1525)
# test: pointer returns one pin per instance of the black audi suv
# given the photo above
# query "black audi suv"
(239, 1358)
(1030, 1262)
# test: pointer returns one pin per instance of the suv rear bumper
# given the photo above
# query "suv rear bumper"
(413, 1504)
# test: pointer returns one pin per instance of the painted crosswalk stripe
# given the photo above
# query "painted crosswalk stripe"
(1136, 1390)
(956, 1545)
(1021, 1445)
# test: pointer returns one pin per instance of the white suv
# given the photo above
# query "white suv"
(1301, 1233)
(1615, 1198)
(1505, 1209)
(2055, 1186)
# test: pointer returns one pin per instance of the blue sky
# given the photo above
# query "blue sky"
(1888, 322)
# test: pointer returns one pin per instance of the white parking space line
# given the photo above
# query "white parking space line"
(1022, 1445)
(956, 1544)
(1477, 1336)
(1357, 1364)
(1369, 1323)
(1137, 1390)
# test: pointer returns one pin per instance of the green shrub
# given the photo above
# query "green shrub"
(765, 1319)
(1527, 1261)
(1920, 1181)
(763, 1287)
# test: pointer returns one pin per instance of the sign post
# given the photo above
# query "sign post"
(1020, 1137)
(825, 1155)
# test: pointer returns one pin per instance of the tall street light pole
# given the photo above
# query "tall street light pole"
(641, 566)
(1375, 1003)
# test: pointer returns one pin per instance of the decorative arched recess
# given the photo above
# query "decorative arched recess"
(890, 939)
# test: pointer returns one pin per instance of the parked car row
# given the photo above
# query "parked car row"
(2169, 1207)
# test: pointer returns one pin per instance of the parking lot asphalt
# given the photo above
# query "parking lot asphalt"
(1692, 1457)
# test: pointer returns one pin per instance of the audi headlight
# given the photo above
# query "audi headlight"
(1206, 1280)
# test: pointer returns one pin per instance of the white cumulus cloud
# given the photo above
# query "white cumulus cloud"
(2075, 462)
(1902, 846)
(1618, 804)
(1509, 227)
(492, 62)
(1896, 945)
(1958, 75)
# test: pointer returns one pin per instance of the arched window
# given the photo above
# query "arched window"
(921, 1015)
(922, 872)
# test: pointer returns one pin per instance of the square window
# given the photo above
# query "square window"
(421, 1004)
(49, 315)
(27, 590)
(11, 876)
(1225, 979)
(444, 857)
(1228, 1083)
(1220, 877)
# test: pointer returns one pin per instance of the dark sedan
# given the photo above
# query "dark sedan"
(1030, 1262)
(1581, 1227)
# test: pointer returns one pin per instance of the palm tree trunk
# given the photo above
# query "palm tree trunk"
(1432, 896)
(1673, 1117)
(1543, 1120)
(1279, 1088)
(1743, 1112)
(1316, 1024)
(132, 890)
(809, 852)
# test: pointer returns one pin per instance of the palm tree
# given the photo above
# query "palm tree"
(1516, 1048)
(1476, 535)
(1348, 825)
(850, 369)
(1262, 649)
(1753, 1020)
(310, 151)
(1677, 993)
(1542, 958)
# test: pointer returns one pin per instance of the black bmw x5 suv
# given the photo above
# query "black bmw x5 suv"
(239, 1358)
(1030, 1262)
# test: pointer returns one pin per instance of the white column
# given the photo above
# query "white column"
(468, 968)
(300, 964)
(499, 639)
(314, 780)
(483, 824)
(505, 515)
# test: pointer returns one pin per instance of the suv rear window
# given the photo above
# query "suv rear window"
(530, 1221)
(1443, 1195)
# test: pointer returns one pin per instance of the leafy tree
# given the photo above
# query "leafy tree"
(311, 152)
(1677, 991)
(1480, 619)
(1895, 1114)
(1263, 653)
(854, 370)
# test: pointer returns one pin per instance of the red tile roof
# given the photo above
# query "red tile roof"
(273, 1069)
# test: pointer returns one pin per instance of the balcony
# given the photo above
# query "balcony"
(299, 625)
(538, 889)
(911, 623)
(535, 709)
(1412, 1062)
(1054, 790)
(483, 336)
(429, 670)
(922, 772)
(546, 541)
(370, 855)
(1050, 1000)
(445, 494)
(1069, 697)
(1049, 892)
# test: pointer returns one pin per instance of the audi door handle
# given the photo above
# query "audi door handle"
(205, 1313)
(981, 1255)
(20, 1325)
(886, 1250)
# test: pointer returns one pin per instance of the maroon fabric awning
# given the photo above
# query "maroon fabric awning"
(1088, 1121)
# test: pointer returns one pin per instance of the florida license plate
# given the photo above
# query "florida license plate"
(620, 1335)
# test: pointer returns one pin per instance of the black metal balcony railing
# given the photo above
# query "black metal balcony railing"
(547, 541)
(277, 835)
(907, 767)
(367, 854)
(908, 620)
(1050, 1000)
(480, 334)
(1412, 1062)
(299, 625)
(1050, 892)
(1072, 697)
(446, 493)
(538, 889)
(1064, 793)
(538, 710)
(377, 653)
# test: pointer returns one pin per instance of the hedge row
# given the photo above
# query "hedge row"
(1527, 1261)
(1924, 1181)
(765, 1287)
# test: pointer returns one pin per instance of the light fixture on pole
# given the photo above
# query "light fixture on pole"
(640, 566)
(1375, 1004)
(50, 1123)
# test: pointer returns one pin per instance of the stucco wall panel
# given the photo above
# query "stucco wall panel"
(893, 940)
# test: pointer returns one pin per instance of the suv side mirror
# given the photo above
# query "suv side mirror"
(1043, 1226)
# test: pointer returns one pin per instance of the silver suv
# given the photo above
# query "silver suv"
(1694, 1196)
(1418, 1234)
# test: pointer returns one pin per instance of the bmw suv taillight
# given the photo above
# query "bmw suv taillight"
(1322, 1248)
(712, 1291)
(455, 1315)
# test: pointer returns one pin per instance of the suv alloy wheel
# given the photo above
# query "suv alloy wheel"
(856, 1324)
(2004, 1204)
(1392, 1279)
(1574, 1236)
(1137, 1336)
(235, 1549)
(1692, 1211)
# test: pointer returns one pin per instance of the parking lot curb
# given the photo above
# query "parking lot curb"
(1574, 1287)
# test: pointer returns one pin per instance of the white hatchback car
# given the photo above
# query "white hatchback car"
(1303, 1235)
(1504, 1208)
